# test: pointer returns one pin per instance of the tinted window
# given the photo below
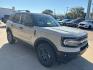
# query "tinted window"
(26, 19)
(45, 21)
(80, 20)
(66, 20)
(76, 20)
(89, 21)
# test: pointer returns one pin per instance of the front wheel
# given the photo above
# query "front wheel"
(10, 37)
(46, 54)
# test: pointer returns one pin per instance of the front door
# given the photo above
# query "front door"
(27, 28)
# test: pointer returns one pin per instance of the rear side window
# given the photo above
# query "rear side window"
(15, 18)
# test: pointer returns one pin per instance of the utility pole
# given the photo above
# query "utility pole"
(54, 13)
(92, 12)
(67, 10)
(88, 10)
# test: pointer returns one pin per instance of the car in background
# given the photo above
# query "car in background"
(86, 24)
(64, 21)
(60, 22)
(75, 22)
(5, 18)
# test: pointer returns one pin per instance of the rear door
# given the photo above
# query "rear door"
(15, 25)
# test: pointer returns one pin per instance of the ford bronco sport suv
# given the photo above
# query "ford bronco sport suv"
(51, 41)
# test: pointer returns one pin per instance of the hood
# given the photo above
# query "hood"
(68, 22)
(84, 23)
(68, 31)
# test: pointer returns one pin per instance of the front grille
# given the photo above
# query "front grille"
(82, 38)
(83, 41)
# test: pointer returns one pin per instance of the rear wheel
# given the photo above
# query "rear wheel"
(10, 37)
(46, 54)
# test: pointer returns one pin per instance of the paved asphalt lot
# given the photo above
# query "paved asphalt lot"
(20, 57)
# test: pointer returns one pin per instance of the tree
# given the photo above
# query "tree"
(47, 11)
(69, 15)
(76, 12)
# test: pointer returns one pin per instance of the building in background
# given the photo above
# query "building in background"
(6, 11)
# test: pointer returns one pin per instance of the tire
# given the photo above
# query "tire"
(10, 37)
(46, 55)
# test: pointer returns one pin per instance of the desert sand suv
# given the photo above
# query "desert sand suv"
(51, 41)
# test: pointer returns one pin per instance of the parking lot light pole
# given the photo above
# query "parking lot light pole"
(88, 10)
(67, 10)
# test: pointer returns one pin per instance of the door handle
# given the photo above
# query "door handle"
(21, 27)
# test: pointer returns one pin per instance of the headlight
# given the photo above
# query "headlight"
(71, 42)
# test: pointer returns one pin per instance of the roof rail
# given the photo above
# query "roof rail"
(24, 11)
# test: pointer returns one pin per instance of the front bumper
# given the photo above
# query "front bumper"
(68, 56)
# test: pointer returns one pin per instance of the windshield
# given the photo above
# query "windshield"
(45, 21)
(89, 21)
(66, 20)
(76, 20)
(73, 21)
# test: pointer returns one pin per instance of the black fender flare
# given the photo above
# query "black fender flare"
(41, 40)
